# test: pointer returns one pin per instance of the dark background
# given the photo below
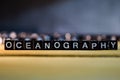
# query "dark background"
(81, 16)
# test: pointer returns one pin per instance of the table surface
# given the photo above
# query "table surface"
(59, 68)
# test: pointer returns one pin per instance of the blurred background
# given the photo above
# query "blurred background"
(81, 16)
